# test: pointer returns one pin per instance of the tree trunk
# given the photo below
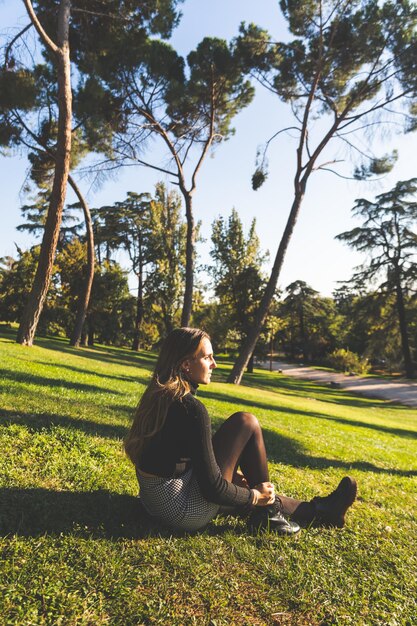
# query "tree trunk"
(189, 263)
(90, 336)
(250, 365)
(303, 333)
(169, 325)
(405, 345)
(249, 344)
(44, 269)
(86, 292)
(139, 312)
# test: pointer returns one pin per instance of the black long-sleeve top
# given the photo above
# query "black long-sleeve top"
(186, 434)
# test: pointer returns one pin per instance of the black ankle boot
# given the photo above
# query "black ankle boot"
(330, 510)
(271, 518)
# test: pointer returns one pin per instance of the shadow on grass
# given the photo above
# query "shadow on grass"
(400, 432)
(79, 370)
(97, 514)
(44, 381)
(105, 354)
(285, 450)
(119, 356)
(36, 422)
(281, 449)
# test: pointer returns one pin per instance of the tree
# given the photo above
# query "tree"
(111, 314)
(134, 230)
(84, 299)
(41, 146)
(43, 162)
(189, 112)
(387, 236)
(16, 277)
(166, 276)
(152, 233)
(347, 64)
(310, 322)
(23, 91)
(36, 215)
(60, 52)
(369, 324)
(237, 272)
(125, 225)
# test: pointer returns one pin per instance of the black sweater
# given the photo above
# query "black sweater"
(186, 434)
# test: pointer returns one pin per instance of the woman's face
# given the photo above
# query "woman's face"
(199, 367)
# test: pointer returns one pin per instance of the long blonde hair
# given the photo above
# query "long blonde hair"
(167, 385)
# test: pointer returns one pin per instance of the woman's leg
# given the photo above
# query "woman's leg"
(239, 442)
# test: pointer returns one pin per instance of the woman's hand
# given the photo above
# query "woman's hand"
(264, 494)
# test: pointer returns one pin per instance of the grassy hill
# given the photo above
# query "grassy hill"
(73, 546)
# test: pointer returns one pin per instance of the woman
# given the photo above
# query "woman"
(186, 476)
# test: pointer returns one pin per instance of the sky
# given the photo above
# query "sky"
(224, 182)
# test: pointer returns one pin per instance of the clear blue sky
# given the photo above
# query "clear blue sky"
(225, 179)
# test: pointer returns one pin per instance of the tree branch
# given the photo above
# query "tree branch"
(209, 139)
(12, 42)
(41, 32)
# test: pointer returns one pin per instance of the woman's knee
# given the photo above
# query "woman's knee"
(246, 420)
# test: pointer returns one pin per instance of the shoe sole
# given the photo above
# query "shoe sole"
(281, 531)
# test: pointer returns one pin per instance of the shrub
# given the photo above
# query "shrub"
(347, 361)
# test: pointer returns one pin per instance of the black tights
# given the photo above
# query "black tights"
(239, 442)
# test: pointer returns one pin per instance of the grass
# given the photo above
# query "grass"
(74, 549)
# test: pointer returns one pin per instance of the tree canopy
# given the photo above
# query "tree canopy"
(388, 237)
(346, 65)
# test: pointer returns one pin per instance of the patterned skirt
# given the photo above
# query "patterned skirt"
(176, 502)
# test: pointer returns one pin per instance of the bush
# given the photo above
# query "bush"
(347, 361)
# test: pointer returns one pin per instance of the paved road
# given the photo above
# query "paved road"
(401, 391)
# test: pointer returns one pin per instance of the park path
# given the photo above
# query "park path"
(402, 391)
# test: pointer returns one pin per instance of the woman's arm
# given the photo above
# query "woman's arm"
(199, 442)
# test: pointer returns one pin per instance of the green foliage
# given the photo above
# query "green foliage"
(17, 89)
(42, 161)
(347, 361)
(370, 327)
(71, 262)
(100, 34)
(348, 61)
(35, 217)
(100, 112)
(166, 277)
(376, 167)
(388, 237)
(310, 325)
(117, 26)
(213, 94)
(237, 273)
(16, 281)
(111, 312)
(153, 234)
(258, 178)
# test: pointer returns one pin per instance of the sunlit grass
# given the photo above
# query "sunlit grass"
(73, 546)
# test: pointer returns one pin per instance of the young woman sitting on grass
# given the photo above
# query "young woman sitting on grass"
(186, 476)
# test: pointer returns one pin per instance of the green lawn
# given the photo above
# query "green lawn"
(74, 549)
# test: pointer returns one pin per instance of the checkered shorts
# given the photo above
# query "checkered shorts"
(176, 502)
